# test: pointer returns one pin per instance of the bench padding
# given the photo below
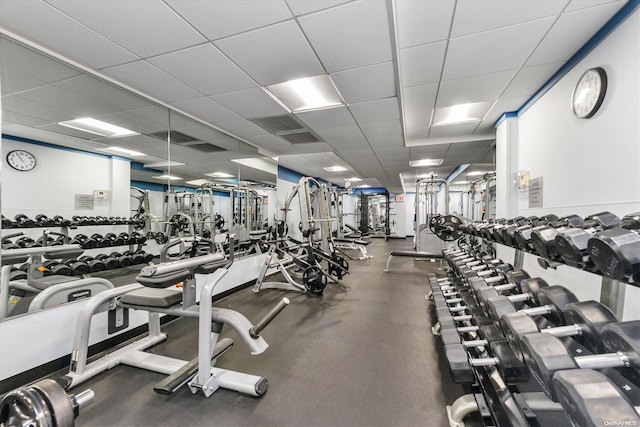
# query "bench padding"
(152, 297)
(413, 254)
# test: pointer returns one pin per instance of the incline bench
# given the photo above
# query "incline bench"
(411, 254)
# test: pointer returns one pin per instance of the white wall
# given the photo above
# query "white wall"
(588, 165)
(410, 213)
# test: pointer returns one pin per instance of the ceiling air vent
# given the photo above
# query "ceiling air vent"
(205, 147)
(277, 124)
(176, 137)
(300, 137)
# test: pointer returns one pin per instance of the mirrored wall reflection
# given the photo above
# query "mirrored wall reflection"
(82, 156)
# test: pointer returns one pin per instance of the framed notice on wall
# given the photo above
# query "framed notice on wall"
(535, 193)
(84, 202)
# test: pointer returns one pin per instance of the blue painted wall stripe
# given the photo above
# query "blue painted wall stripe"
(60, 147)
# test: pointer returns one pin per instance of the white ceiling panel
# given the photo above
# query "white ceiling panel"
(418, 103)
(581, 4)
(217, 19)
(38, 110)
(242, 128)
(214, 72)
(12, 117)
(367, 83)
(149, 79)
(302, 7)
(530, 79)
(421, 65)
(351, 35)
(487, 87)
(376, 129)
(344, 138)
(273, 54)
(374, 111)
(37, 20)
(15, 57)
(206, 109)
(571, 31)
(394, 141)
(57, 97)
(474, 16)
(328, 118)
(503, 106)
(452, 130)
(104, 92)
(435, 151)
(493, 51)
(423, 21)
(250, 103)
(416, 134)
(271, 143)
(14, 81)
(136, 122)
(120, 21)
(313, 147)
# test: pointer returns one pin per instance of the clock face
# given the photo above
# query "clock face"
(589, 93)
(21, 160)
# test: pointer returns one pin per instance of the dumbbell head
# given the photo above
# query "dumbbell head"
(589, 398)
(624, 337)
(591, 316)
(616, 253)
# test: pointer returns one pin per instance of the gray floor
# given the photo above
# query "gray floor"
(361, 355)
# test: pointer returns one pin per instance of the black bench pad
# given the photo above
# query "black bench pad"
(152, 297)
(413, 254)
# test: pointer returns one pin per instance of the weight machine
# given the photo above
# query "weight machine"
(434, 226)
(247, 207)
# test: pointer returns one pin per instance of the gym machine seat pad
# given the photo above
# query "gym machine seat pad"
(151, 297)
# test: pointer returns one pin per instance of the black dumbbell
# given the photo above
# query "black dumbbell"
(6, 223)
(84, 241)
(115, 240)
(111, 238)
(78, 268)
(543, 237)
(522, 235)
(110, 262)
(136, 257)
(545, 354)
(101, 242)
(571, 243)
(616, 252)
(585, 321)
(17, 274)
(102, 220)
(27, 242)
(56, 267)
(95, 265)
(138, 238)
(591, 399)
(23, 221)
(126, 238)
(61, 222)
(44, 221)
(123, 260)
(509, 366)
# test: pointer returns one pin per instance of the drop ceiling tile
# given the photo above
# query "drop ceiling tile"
(26, 61)
(350, 36)
(391, 128)
(452, 130)
(419, 22)
(343, 138)
(493, 51)
(314, 147)
(302, 7)
(329, 118)
(10, 117)
(530, 79)
(56, 97)
(242, 128)
(206, 109)
(571, 32)
(487, 87)
(421, 65)
(473, 16)
(273, 54)
(250, 103)
(581, 4)
(217, 19)
(214, 72)
(418, 104)
(502, 106)
(366, 84)
(120, 21)
(374, 111)
(40, 22)
(36, 110)
(94, 88)
(435, 151)
(13, 81)
(394, 141)
(415, 134)
(151, 81)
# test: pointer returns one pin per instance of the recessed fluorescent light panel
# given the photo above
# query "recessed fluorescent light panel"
(335, 169)
(219, 175)
(264, 164)
(163, 164)
(306, 94)
(460, 114)
(169, 177)
(353, 179)
(198, 182)
(122, 151)
(459, 182)
(425, 162)
(364, 186)
(98, 127)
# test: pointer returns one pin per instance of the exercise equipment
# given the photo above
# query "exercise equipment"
(545, 354)
(43, 404)
(616, 252)
(572, 243)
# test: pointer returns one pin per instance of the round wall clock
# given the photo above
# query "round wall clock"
(21, 160)
(589, 93)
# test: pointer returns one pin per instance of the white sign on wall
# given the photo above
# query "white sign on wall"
(535, 193)
(84, 202)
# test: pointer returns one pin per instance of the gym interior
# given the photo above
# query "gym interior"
(320, 213)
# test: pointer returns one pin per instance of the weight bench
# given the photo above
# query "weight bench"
(155, 293)
(411, 254)
(354, 245)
